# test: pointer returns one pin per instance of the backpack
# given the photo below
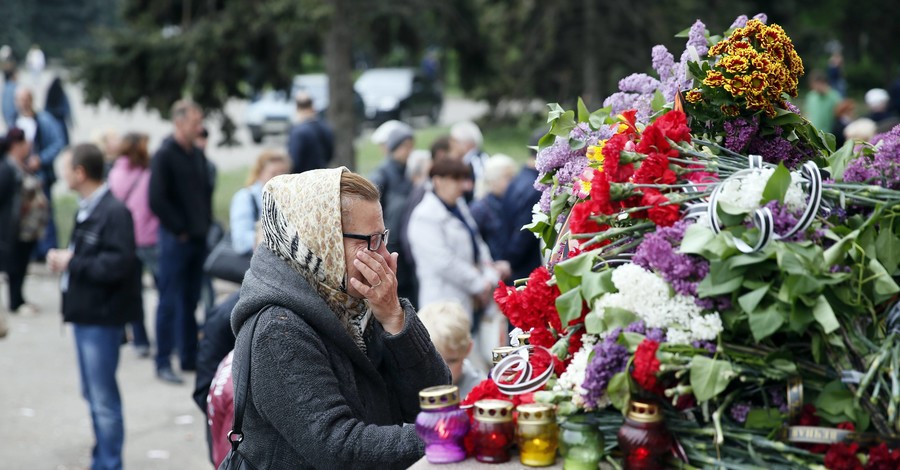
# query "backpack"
(35, 210)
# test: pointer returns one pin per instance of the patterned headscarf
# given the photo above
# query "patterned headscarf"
(301, 220)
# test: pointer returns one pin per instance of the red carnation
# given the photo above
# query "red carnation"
(843, 457)
(542, 337)
(847, 426)
(646, 365)
(882, 458)
(612, 166)
(509, 302)
(539, 301)
(580, 220)
(601, 196)
(662, 215)
(674, 126)
(629, 118)
(655, 170)
(653, 140)
(808, 416)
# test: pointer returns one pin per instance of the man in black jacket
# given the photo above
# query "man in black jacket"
(181, 196)
(101, 287)
(311, 140)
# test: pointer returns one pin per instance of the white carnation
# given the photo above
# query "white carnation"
(745, 193)
(706, 327)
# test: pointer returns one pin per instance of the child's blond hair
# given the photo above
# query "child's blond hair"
(449, 326)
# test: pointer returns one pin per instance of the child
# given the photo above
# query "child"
(449, 327)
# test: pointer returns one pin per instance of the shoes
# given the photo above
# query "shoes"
(167, 375)
(142, 351)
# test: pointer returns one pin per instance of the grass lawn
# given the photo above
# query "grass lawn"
(510, 140)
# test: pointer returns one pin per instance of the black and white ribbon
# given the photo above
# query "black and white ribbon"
(517, 365)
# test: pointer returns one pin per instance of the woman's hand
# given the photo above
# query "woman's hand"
(380, 288)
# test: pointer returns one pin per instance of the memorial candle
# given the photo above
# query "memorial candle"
(494, 432)
(537, 434)
(441, 424)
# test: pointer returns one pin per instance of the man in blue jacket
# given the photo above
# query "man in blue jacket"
(47, 140)
(101, 288)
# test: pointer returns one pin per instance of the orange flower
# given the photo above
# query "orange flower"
(694, 96)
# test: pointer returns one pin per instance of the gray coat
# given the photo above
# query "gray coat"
(316, 400)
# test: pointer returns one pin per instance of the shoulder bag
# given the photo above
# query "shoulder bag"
(225, 263)
(235, 460)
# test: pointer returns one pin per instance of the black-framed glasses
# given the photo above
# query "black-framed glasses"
(373, 241)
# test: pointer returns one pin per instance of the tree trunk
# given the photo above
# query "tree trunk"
(339, 67)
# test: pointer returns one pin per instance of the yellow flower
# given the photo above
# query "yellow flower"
(595, 153)
(738, 85)
(734, 63)
(694, 96)
(714, 78)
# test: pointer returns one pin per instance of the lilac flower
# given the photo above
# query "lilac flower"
(637, 327)
(623, 101)
(791, 107)
(639, 83)
(697, 39)
(609, 358)
(707, 345)
(884, 167)
(739, 412)
(739, 131)
(546, 198)
(777, 149)
(761, 17)
(839, 268)
(555, 156)
(657, 253)
(656, 334)
(739, 22)
(777, 395)
(663, 61)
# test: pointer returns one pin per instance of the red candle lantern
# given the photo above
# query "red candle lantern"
(494, 432)
(644, 440)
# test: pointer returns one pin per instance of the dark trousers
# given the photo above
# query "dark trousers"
(149, 260)
(17, 267)
(180, 276)
(49, 241)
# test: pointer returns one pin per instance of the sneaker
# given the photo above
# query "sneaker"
(168, 375)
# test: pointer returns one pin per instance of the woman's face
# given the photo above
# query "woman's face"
(20, 150)
(451, 189)
(272, 169)
(361, 218)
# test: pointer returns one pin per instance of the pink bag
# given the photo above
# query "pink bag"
(220, 409)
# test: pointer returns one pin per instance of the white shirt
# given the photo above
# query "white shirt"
(28, 126)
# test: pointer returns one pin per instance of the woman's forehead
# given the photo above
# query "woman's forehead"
(363, 217)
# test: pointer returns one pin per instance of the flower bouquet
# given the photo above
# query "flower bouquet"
(717, 256)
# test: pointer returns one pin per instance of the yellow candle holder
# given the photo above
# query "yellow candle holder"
(538, 435)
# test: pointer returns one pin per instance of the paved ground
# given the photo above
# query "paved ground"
(44, 422)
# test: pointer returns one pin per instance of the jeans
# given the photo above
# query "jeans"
(17, 268)
(180, 276)
(49, 241)
(98, 358)
(149, 256)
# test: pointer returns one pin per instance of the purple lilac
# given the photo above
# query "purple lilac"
(657, 253)
(785, 219)
(555, 156)
(656, 334)
(839, 268)
(776, 150)
(697, 39)
(739, 412)
(791, 107)
(623, 101)
(609, 358)
(637, 327)
(639, 83)
(887, 158)
(546, 198)
(739, 22)
(663, 61)
(762, 17)
(739, 132)
(778, 399)
(707, 345)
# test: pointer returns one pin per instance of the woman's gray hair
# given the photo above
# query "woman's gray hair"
(417, 165)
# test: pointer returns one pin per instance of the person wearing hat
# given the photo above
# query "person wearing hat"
(391, 180)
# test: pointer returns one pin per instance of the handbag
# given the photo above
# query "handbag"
(223, 262)
(235, 460)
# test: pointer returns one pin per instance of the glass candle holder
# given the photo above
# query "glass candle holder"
(644, 439)
(580, 443)
(537, 434)
(494, 432)
(497, 354)
(441, 424)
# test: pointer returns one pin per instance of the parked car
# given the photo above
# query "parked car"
(273, 112)
(398, 93)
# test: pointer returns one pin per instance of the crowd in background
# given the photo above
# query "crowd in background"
(452, 212)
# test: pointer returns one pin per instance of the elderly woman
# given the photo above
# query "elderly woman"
(337, 358)
(452, 260)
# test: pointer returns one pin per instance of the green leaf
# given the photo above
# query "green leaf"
(600, 117)
(777, 186)
(594, 285)
(824, 314)
(709, 377)
(884, 287)
(619, 390)
(546, 141)
(569, 272)
(630, 340)
(762, 418)
(887, 247)
(618, 317)
(835, 398)
(594, 324)
(838, 161)
(583, 114)
(684, 33)
(837, 251)
(658, 101)
(766, 321)
(569, 305)
(696, 238)
(751, 299)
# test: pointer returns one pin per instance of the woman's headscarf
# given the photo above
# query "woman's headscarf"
(301, 220)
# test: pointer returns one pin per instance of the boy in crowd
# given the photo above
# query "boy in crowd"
(450, 330)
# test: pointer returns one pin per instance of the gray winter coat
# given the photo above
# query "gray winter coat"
(316, 400)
